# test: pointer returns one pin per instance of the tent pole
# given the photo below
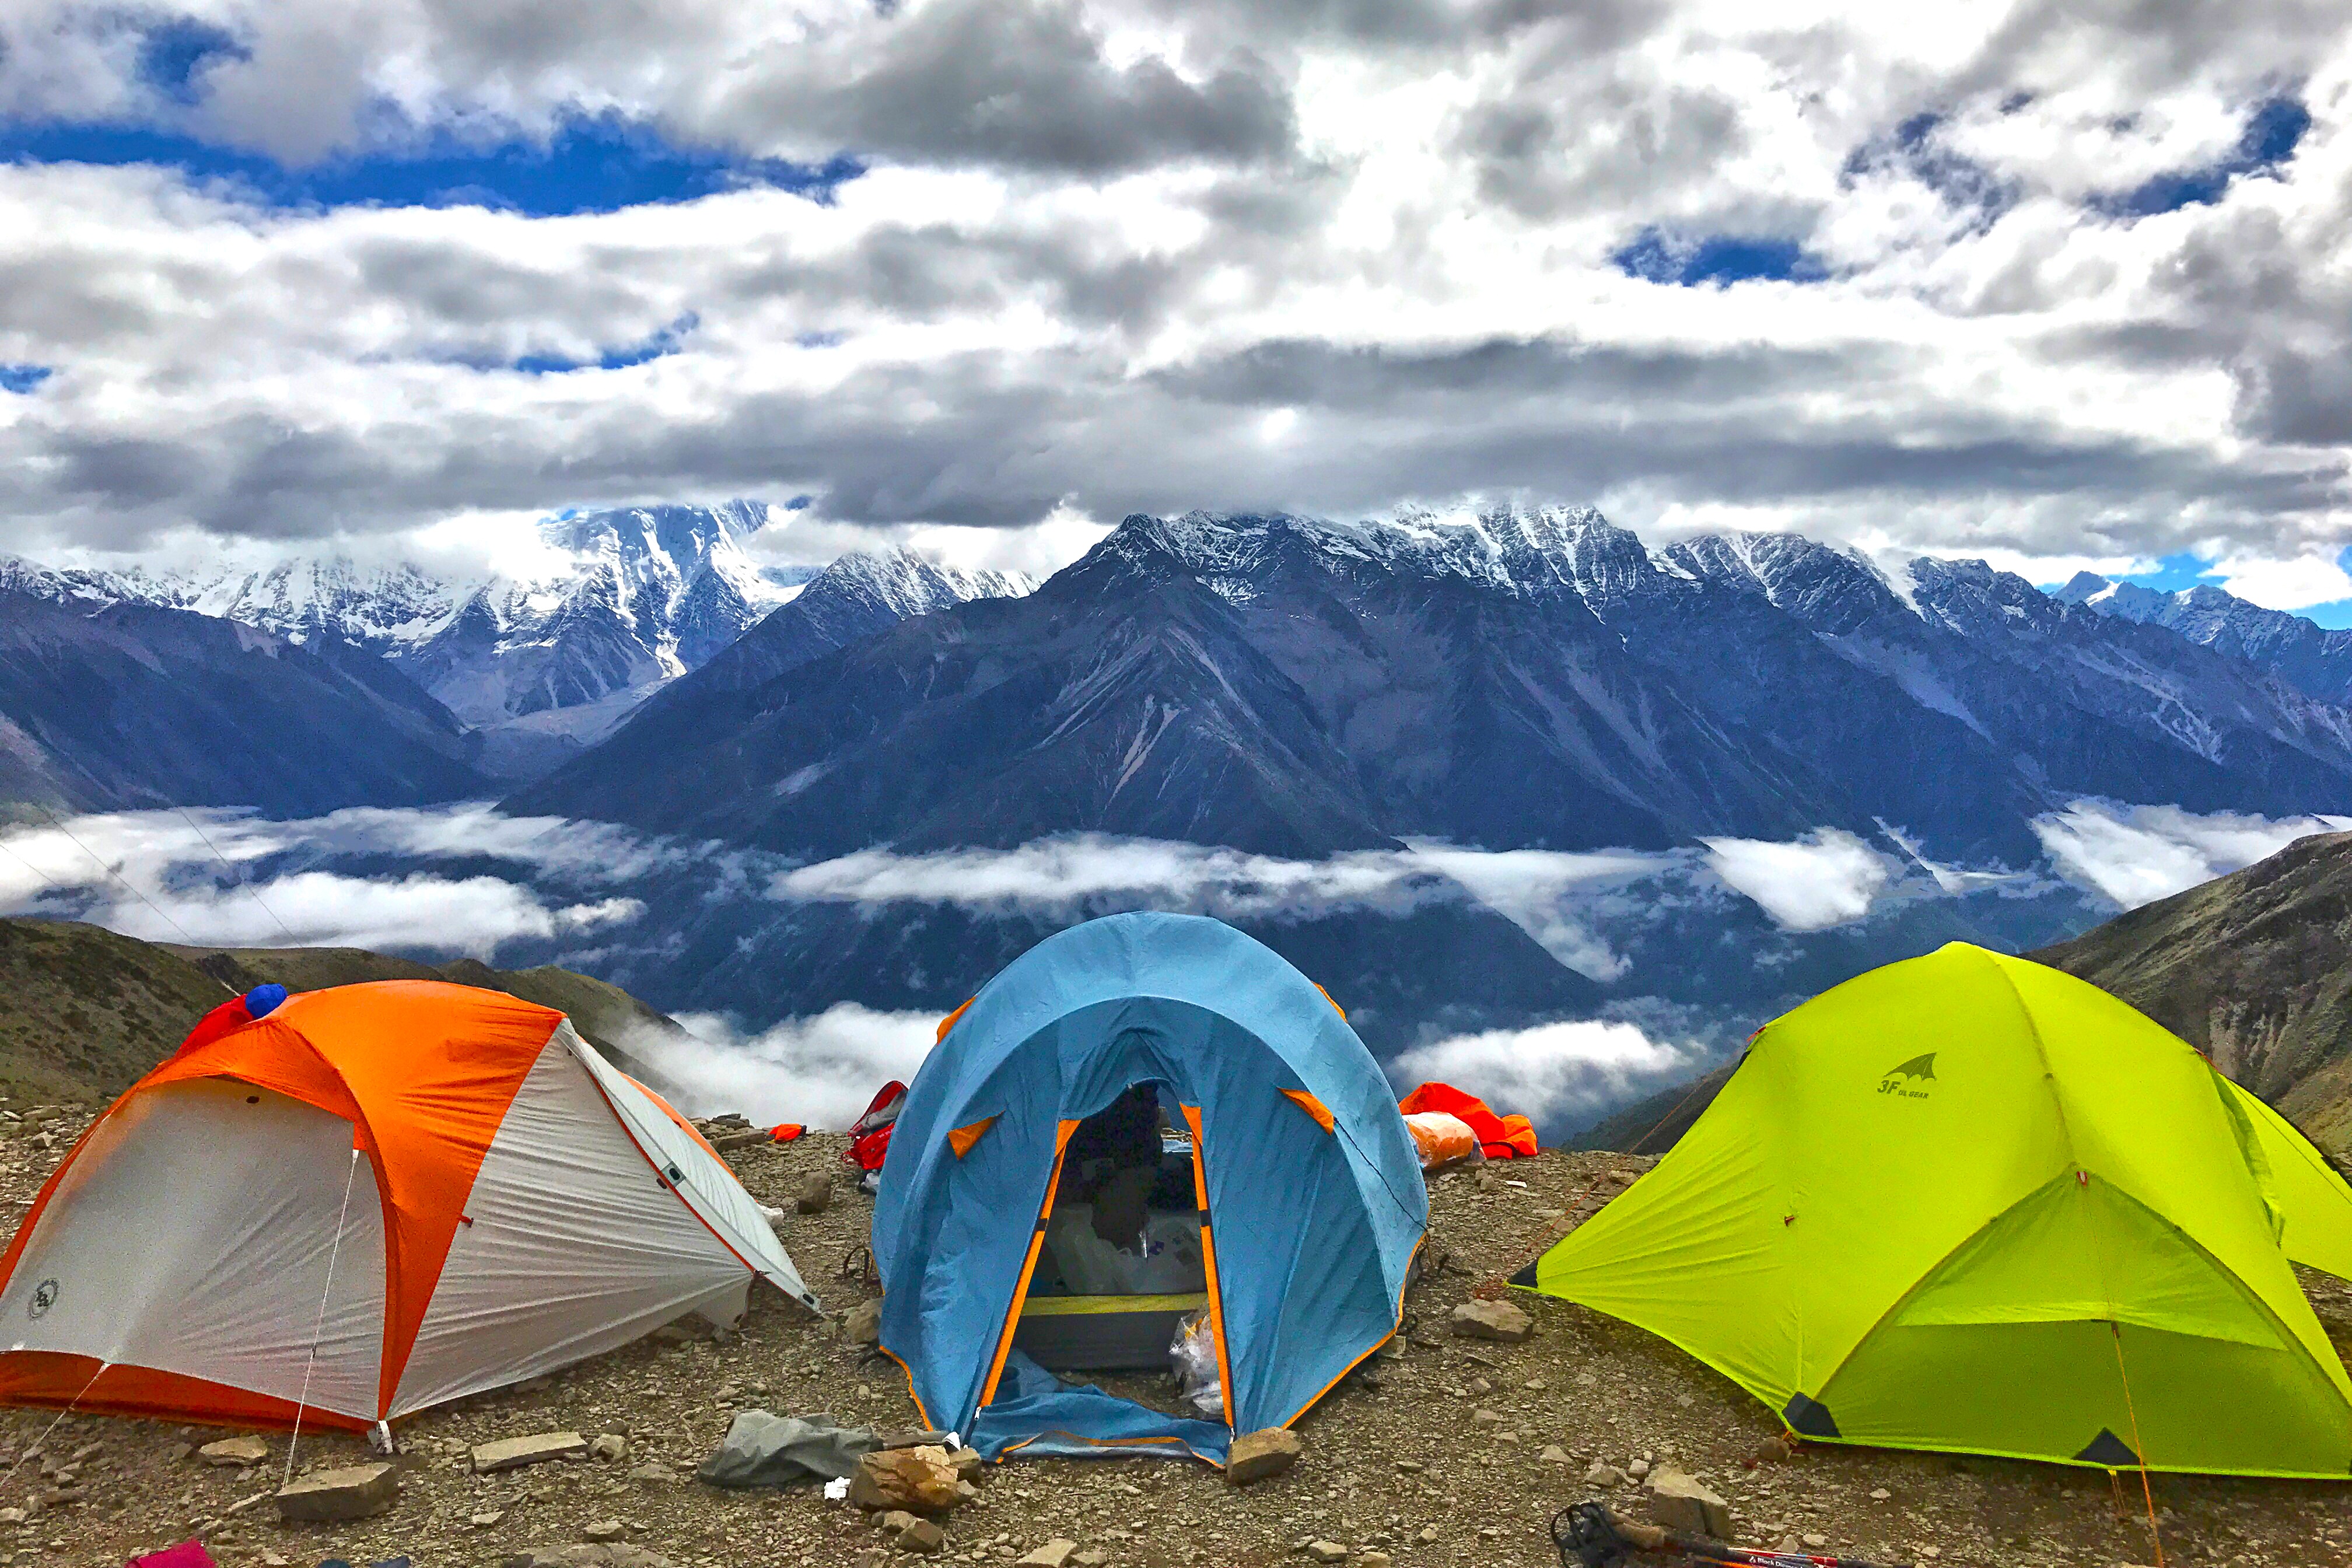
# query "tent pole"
(319, 1327)
(2147, 1491)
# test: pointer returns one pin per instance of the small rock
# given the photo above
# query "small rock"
(864, 1326)
(487, 1517)
(1815, 1542)
(815, 1193)
(235, 1452)
(1326, 1552)
(1486, 1418)
(654, 1475)
(1499, 1320)
(605, 1529)
(1257, 1455)
(1881, 1495)
(969, 1465)
(1409, 1466)
(1600, 1475)
(1637, 1469)
(12, 1516)
(919, 1480)
(726, 1142)
(1089, 1557)
(337, 1496)
(1681, 1503)
(1429, 1535)
(513, 1453)
(609, 1445)
(922, 1536)
(1371, 1560)
(1554, 1454)
(1053, 1555)
(179, 1451)
(892, 1522)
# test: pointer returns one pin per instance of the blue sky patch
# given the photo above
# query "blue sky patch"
(659, 345)
(23, 378)
(2174, 573)
(1717, 258)
(173, 56)
(590, 165)
(2273, 132)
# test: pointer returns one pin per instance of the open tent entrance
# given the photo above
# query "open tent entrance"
(1124, 1258)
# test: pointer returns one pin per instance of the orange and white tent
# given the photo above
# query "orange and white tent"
(362, 1202)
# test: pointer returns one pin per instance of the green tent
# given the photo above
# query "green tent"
(1971, 1204)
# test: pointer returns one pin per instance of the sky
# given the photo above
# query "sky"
(2065, 285)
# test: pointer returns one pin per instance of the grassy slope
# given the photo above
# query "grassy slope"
(84, 1011)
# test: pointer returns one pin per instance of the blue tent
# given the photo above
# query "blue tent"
(1314, 1209)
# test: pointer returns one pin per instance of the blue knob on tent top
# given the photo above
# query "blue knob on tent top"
(263, 1000)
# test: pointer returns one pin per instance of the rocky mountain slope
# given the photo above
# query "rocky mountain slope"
(542, 666)
(129, 706)
(2254, 968)
(2316, 662)
(84, 1011)
(1527, 680)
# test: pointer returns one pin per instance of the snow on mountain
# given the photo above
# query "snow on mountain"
(2314, 661)
(643, 595)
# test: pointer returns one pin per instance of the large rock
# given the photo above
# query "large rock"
(1053, 1555)
(1497, 1321)
(513, 1453)
(1682, 1504)
(921, 1480)
(234, 1451)
(332, 1497)
(863, 1325)
(815, 1193)
(1257, 1455)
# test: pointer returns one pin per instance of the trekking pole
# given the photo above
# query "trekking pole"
(1589, 1536)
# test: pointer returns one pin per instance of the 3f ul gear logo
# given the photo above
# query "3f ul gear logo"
(45, 1296)
(1910, 1080)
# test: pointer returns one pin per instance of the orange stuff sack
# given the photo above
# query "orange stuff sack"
(1502, 1137)
(1442, 1137)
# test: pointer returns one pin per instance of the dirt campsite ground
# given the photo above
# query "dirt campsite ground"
(1438, 1457)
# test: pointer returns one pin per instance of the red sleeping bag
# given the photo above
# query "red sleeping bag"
(1499, 1137)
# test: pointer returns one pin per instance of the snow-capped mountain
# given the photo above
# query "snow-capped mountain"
(635, 598)
(1533, 678)
(2316, 662)
(116, 706)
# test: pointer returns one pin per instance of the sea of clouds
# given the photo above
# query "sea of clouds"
(468, 880)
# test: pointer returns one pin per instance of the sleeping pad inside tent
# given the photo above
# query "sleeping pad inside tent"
(1972, 1203)
(1142, 1118)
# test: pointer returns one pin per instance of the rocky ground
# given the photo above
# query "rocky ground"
(1449, 1452)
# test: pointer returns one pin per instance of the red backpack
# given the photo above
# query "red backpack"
(869, 1139)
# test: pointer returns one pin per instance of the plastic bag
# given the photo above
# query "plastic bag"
(1442, 1137)
(1192, 1357)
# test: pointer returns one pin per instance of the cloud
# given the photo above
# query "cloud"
(1826, 879)
(225, 878)
(822, 1070)
(1552, 1073)
(1106, 247)
(2135, 855)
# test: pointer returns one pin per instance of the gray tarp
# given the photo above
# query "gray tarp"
(764, 1450)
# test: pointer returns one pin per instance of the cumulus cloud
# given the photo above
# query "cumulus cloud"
(1551, 1073)
(822, 1070)
(1826, 879)
(1107, 248)
(2135, 855)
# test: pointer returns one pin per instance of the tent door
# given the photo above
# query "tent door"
(1062, 1132)
(1209, 1259)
